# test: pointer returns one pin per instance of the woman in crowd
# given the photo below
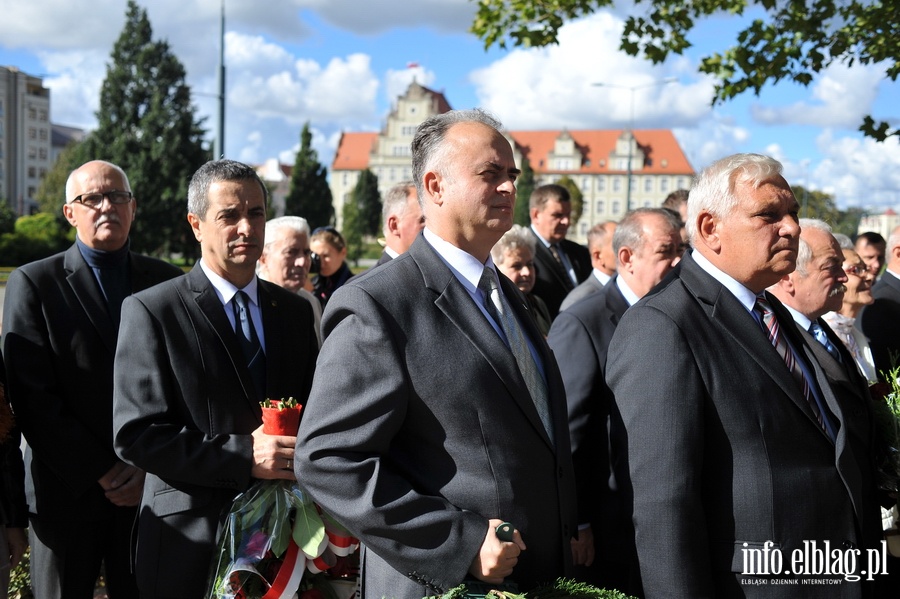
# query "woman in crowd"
(856, 297)
(331, 249)
(514, 257)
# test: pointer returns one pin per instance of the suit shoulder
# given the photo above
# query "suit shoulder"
(160, 268)
(49, 265)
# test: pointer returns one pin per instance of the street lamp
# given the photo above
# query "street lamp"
(631, 142)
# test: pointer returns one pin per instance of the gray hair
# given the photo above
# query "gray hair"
(596, 237)
(893, 241)
(714, 187)
(294, 223)
(804, 252)
(517, 237)
(630, 230)
(395, 202)
(70, 181)
(844, 241)
(428, 148)
(213, 172)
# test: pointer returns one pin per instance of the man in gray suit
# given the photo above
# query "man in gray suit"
(603, 259)
(740, 454)
(60, 322)
(439, 413)
(196, 355)
(646, 245)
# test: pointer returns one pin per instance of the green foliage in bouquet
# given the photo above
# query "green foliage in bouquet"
(563, 588)
(886, 410)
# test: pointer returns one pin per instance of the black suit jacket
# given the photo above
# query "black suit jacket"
(59, 343)
(723, 448)
(184, 411)
(881, 322)
(553, 283)
(428, 430)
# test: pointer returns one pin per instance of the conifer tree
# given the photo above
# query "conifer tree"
(368, 200)
(309, 195)
(147, 126)
(524, 187)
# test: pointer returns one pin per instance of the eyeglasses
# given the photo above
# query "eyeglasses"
(858, 269)
(93, 200)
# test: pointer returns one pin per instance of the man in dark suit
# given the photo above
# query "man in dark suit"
(740, 455)
(442, 414)
(646, 244)
(196, 356)
(561, 264)
(603, 259)
(872, 248)
(60, 320)
(881, 320)
(403, 219)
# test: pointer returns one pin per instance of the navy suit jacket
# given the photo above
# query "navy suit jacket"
(881, 322)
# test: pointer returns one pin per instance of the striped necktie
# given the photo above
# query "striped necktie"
(819, 333)
(773, 329)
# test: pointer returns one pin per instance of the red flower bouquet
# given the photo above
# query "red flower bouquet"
(276, 543)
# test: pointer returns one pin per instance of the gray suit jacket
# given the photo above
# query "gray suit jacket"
(881, 322)
(59, 342)
(590, 286)
(184, 411)
(420, 428)
(723, 449)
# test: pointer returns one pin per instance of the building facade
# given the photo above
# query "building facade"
(882, 223)
(25, 138)
(600, 162)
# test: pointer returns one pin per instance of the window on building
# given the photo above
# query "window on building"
(32, 133)
(601, 183)
(43, 153)
(408, 130)
(646, 203)
(42, 115)
(617, 183)
(585, 184)
(616, 207)
(345, 178)
(583, 228)
(43, 134)
(32, 152)
(32, 113)
(664, 185)
(622, 164)
(600, 207)
(648, 184)
(32, 172)
(42, 172)
(31, 191)
(682, 183)
(401, 150)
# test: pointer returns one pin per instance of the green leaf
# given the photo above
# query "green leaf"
(309, 531)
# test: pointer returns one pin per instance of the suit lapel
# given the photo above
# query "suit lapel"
(85, 287)
(615, 302)
(210, 307)
(455, 302)
(546, 260)
(274, 329)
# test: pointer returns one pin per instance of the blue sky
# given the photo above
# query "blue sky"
(340, 64)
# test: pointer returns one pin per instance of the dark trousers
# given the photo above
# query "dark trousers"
(66, 555)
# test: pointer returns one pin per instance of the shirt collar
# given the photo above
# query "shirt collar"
(630, 296)
(602, 276)
(539, 236)
(225, 290)
(464, 265)
(743, 295)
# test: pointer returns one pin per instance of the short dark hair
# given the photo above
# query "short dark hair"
(871, 238)
(213, 172)
(543, 194)
(676, 199)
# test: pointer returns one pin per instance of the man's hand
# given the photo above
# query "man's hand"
(123, 484)
(496, 559)
(273, 456)
(583, 547)
(17, 541)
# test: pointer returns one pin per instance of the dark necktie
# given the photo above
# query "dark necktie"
(819, 333)
(554, 249)
(772, 328)
(249, 342)
(502, 313)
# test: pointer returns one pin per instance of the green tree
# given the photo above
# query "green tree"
(353, 230)
(524, 187)
(7, 217)
(576, 197)
(821, 205)
(51, 194)
(147, 126)
(368, 200)
(790, 40)
(309, 195)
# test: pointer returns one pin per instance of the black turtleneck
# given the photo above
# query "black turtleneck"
(112, 273)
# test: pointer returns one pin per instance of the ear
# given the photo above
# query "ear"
(708, 231)
(624, 258)
(69, 213)
(433, 184)
(194, 221)
(787, 283)
(393, 224)
(533, 213)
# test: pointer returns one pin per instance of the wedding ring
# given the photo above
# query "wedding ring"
(290, 465)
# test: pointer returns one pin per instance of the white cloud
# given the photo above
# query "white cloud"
(840, 97)
(859, 171)
(373, 17)
(75, 85)
(396, 82)
(711, 139)
(552, 87)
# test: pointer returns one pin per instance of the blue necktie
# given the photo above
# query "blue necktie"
(249, 342)
(819, 333)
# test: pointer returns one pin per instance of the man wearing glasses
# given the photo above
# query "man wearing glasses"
(60, 322)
